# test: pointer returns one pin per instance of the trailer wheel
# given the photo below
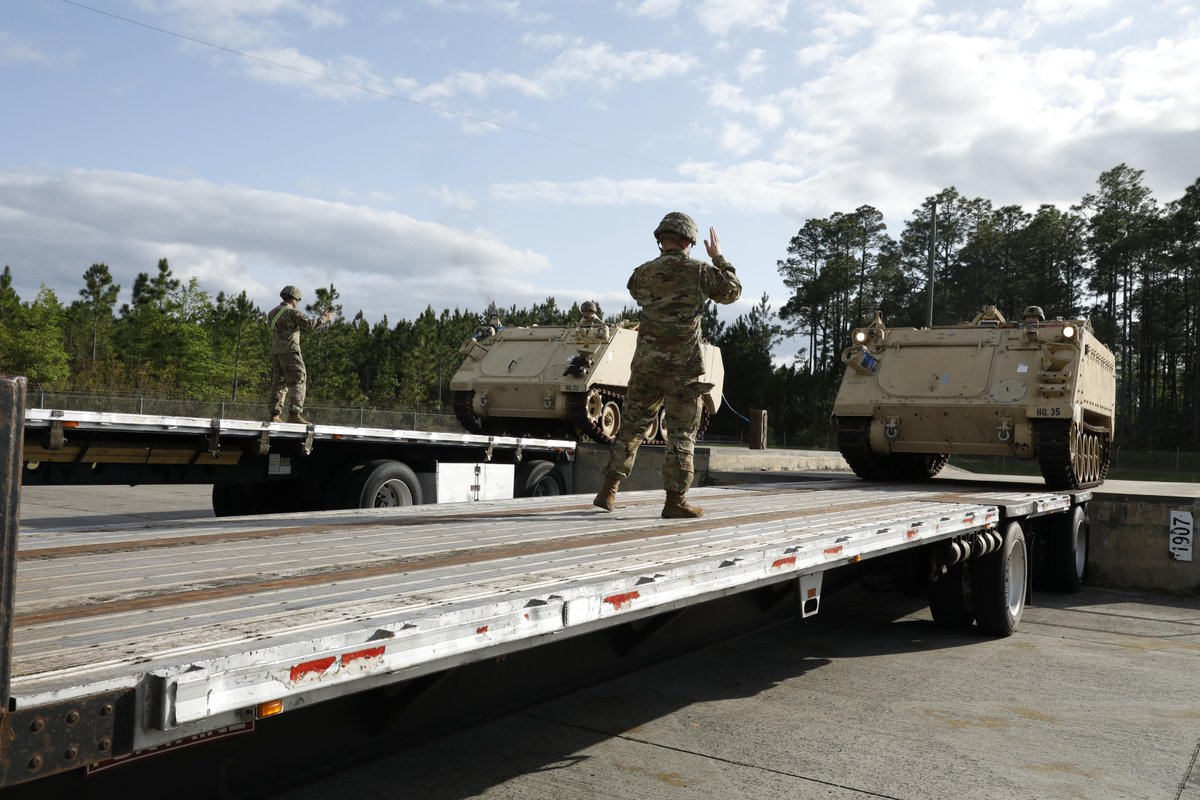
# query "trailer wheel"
(951, 598)
(383, 484)
(538, 479)
(1000, 582)
(1066, 550)
(228, 500)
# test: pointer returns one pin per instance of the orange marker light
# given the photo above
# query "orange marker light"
(269, 709)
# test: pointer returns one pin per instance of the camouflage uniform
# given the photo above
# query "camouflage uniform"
(667, 364)
(287, 365)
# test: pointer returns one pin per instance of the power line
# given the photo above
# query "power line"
(437, 109)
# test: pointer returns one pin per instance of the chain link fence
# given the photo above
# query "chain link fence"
(417, 418)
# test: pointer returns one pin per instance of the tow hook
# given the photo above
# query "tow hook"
(1004, 430)
(891, 427)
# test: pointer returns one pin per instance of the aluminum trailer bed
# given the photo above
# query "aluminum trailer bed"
(186, 628)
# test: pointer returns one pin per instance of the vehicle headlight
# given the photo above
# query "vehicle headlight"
(861, 336)
(1068, 331)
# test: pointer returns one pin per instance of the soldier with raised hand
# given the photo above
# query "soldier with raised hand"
(287, 364)
(668, 367)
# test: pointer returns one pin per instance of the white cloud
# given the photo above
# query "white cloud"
(454, 198)
(765, 112)
(738, 140)
(1054, 12)
(722, 16)
(13, 48)
(596, 65)
(341, 78)
(751, 65)
(657, 9)
(234, 237)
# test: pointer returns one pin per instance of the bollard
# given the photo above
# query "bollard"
(758, 429)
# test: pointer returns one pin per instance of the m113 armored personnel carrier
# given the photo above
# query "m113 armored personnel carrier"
(557, 380)
(912, 397)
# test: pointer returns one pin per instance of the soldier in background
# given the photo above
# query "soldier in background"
(590, 322)
(1032, 316)
(287, 364)
(667, 365)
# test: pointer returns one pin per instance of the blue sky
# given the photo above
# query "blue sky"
(452, 153)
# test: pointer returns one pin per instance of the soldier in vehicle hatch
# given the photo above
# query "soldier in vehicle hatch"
(667, 366)
(1032, 316)
(590, 322)
(287, 365)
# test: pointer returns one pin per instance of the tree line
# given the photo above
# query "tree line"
(1118, 258)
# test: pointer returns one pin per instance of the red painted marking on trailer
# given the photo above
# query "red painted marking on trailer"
(618, 600)
(911, 533)
(481, 629)
(370, 652)
(316, 665)
(833, 551)
(786, 561)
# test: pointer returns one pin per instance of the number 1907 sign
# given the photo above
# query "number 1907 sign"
(1180, 547)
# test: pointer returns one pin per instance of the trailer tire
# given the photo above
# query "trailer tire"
(951, 598)
(383, 484)
(1000, 581)
(228, 500)
(1066, 550)
(538, 479)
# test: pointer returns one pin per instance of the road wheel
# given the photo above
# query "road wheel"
(1000, 579)
(1066, 550)
(951, 600)
(610, 420)
(383, 484)
(538, 479)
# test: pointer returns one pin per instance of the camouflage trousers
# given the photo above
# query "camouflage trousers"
(647, 393)
(288, 375)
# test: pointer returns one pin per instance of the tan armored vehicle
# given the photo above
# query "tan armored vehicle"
(556, 381)
(911, 397)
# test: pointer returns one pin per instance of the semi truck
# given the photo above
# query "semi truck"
(195, 647)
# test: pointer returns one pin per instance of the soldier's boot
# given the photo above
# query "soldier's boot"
(677, 507)
(295, 418)
(606, 498)
(276, 416)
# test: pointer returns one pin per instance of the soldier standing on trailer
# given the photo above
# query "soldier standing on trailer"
(287, 364)
(667, 366)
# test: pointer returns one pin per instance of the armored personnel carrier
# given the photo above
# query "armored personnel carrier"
(557, 381)
(911, 397)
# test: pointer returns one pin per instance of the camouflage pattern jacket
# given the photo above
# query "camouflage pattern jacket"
(286, 323)
(672, 290)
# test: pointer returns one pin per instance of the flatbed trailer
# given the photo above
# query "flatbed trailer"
(132, 642)
(261, 467)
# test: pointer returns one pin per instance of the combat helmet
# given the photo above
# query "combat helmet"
(679, 224)
(290, 293)
(1034, 311)
(588, 305)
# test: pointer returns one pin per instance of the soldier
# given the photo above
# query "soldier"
(590, 322)
(1032, 316)
(287, 365)
(667, 365)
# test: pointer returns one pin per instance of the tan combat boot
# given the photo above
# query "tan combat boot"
(295, 418)
(677, 507)
(606, 498)
(276, 416)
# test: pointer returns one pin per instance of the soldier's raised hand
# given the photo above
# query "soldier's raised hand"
(712, 244)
